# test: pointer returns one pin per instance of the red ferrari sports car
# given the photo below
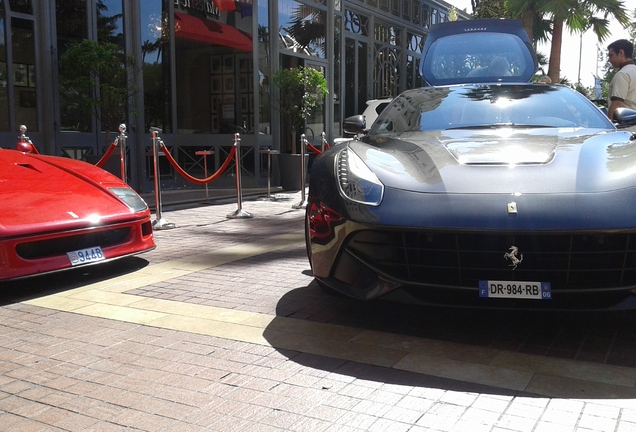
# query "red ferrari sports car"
(59, 213)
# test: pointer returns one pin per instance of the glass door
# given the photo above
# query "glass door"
(315, 123)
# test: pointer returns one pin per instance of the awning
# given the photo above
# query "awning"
(211, 32)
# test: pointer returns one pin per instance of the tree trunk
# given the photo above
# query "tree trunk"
(554, 70)
(527, 19)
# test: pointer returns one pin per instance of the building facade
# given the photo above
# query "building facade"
(196, 72)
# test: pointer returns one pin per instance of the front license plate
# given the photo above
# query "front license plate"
(515, 290)
(84, 256)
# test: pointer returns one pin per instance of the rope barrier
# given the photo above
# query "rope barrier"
(313, 149)
(323, 145)
(108, 154)
(195, 180)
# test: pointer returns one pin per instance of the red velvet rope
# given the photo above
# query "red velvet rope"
(195, 180)
(109, 152)
(313, 149)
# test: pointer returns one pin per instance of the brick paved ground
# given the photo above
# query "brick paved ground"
(67, 367)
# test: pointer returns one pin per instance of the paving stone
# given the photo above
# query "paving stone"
(63, 370)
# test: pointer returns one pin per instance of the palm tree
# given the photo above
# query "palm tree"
(579, 18)
(577, 15)
(533, 18)
(308, 28)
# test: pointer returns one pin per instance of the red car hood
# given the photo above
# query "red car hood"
(46, 194)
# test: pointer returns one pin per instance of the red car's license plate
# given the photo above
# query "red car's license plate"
(84, 256)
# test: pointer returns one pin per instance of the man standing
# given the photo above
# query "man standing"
(622, 90)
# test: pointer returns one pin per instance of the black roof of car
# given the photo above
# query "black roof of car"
(477, 51)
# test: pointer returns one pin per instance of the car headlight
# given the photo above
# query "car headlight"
(131, 198)
(356, 181)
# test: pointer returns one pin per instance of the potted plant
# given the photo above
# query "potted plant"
(300, 92)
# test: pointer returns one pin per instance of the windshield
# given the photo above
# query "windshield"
(478, 57)
(487, 106)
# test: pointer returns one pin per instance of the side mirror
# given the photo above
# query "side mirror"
(355, 125)
(624, 117)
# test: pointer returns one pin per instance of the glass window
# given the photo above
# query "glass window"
(156, 66)
(337, 84)
(24, 73)
(417, 12)
(356, 23)
(264, 69)
(112, 84)
(355, 86)
(386, 73)
(425, 16)
(110, 22)
(215, 90)
(413, 78)
(395, 7)
(4, 99)
(21, 6)
(406, 9)
(302, 28)
(387, 33)
(93, 73)
(72, 28)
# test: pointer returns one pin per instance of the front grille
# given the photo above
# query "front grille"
(62, 245)
(567, 261)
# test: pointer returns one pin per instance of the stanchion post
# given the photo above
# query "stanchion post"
(323, 140)
(303, 201)
(24, 143)
(122, 151)
(23, 137)
(239, 213)
(158, 223)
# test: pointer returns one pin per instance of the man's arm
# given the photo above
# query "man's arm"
(616, 103)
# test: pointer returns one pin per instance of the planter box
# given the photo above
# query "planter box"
(289, 168)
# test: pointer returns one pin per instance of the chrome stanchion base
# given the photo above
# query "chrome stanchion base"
(300, 205)
(240, 214)
(161, 224)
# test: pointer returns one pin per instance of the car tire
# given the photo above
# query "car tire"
(308, 238)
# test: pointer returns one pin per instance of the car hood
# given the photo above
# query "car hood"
(46, 194)
(503, 160)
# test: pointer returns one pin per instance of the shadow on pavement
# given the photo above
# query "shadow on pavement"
(599, 337)
(20, 290)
